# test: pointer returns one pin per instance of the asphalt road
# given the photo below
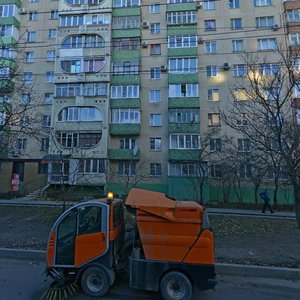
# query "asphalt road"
(24, 280)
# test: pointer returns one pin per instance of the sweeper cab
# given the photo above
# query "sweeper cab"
(166, 246)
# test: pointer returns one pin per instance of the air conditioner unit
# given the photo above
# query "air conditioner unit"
(163, 68)
(144, 44)
(22, 11)
(226, 66)
(275, 27)
(145, 25)
(15, 153)
(200, 40)
(198, 5)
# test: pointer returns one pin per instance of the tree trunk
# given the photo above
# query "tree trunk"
(275, 196)
(256, 193)
(297, 203)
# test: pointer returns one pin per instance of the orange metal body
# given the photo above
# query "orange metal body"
(171, 230)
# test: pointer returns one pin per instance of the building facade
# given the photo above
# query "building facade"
(130, 87)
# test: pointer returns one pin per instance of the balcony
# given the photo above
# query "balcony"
(123, 154)
(183, 77)
(184, 102)
(184, 128)
(125, 103)
(291, 5)
(125, 129)
(184, 154)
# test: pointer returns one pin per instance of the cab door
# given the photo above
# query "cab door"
(82, 234)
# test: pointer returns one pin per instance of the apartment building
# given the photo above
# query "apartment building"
(129, 87)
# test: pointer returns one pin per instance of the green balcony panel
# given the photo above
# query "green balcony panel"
(123, 154)
(125, 79)
(126, 55)
(184, 155)
(181, 6)
(122, 33)
(10, 21)
(185, 29)
(7, 40)
(16, 2)
(126, 11)
(183, 51)
(183, 78)
(193, 102)
(6, 62)
(124, 129)
(6, 86)
(184, 128)
(125, 103)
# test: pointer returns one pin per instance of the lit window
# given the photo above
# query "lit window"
(214, 119)
(213, 95)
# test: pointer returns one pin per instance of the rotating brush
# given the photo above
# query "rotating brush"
(58, 291)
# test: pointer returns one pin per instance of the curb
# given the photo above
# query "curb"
(221, 269)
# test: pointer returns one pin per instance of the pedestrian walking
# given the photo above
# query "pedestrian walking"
(265, 196)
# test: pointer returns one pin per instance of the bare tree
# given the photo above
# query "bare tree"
(266, 112)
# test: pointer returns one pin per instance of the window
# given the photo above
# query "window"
(81, 89)
(236, 23)
(210, 25)
(52, 33)
(155, 73)
(214, 119)
(184, 90)
(183, 169)
(181, 17)
(267, 44)
(264, 22)
(209, 5)
(126, 168)
(155, 169)
(269, 69)
(22, 144)
(4, 73)
(45, 144)
(51, 55)
(27, 77)
(215, 144)
(126, 68)
(155, 144)
(234, 4)
(29, 56)
(155, 49)
(213, 95)
(31, 36)
(33, 1)
(87, 41)
(212, 71)
(82, 113)
(126, 3)
(182, 41)
(7, 10)
(242, 119)
(211, 47)
(239, 70)
(243, 145)
(180, 1)
(183, 65)
(46, 121)
(294, 38)
(126, 22)
(262, 2)
(126, 43)
(125, 91)
(240, 94)
(155, 28)
(127, 143)
(92, 166)
(48, 98)
(54, 14)
(154, 96)
(181, 115)
(75, 139)
(50, 77)
(25, 100)
(244, 171)
(293, 15)
(184, 141)
(237, 45)
(43, 167)
(70, 21)
(32, 16)
(272, 93)
(125, 116)
(155, 120)
(215, 171)
(99, 19)
(154, 8)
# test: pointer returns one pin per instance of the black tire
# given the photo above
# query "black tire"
(176, 286)
(95, 281)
